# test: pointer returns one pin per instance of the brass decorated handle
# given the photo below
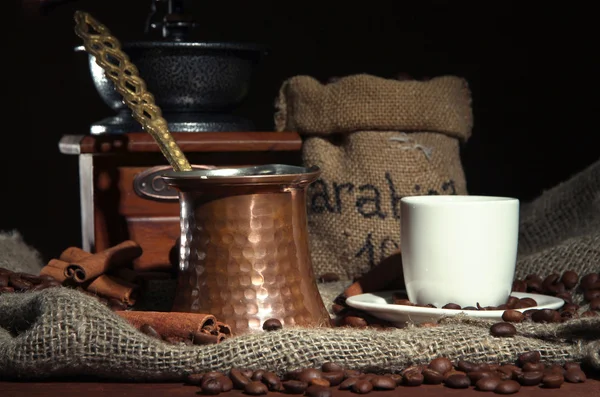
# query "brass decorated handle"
(98, 41)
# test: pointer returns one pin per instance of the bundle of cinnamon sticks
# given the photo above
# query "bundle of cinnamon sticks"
(109, 276)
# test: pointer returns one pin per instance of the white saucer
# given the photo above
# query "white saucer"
(379, 304)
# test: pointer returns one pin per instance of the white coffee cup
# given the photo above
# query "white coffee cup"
(459, 249)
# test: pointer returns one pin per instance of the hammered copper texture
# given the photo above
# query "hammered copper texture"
(244, 258)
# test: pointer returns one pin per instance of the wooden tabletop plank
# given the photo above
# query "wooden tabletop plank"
(97, 389)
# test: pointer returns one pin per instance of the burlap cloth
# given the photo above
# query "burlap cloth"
(58, 332)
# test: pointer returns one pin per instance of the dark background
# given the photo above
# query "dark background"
(532, 71)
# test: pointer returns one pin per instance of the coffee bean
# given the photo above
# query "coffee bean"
(458, 381)
(226, 383)
(329, 277)
(512, 300)
(19, 283)
(451, 306)
(469, 308)
(532, 378)
(150, 331)
(383, 382)
(575, 375)
(502, 374)
(513, 316)
(32, 278)
(440, 365)
(309, 374)
(570, 307)
(396, 378)
(414, 378)
(46, 277)
(40, 287)
(545, 316)
(507, 387)
(569, 279)
(272, 324)
(465, 366)
(319, 382)
(529, 357)
(529, 312)
(503, 329)
(272, 381)
(591, 294)
(552, 284)
(334, 378)
(212, 375)
(595, 304)
(294, 386)
(556, 369)
(535, 285)
(589, 280)
(571, 365)
(566, 296)
(519, 286)
(348, 383)
(238, 378)
(331, 367)
(367, 376)
(256, 388)
(194, 379)
(4, 280)
(589, 313)
(258, 374)
(487, 384)
(211, 386)
(355, 321)
(318, 391)
(337, 309)
(350, 373)
(475, 376)
(552, 380)
(362, 386)
(5, 271)
(529, 367)
(432, 377)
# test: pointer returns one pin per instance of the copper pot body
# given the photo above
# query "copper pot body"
(244, 251)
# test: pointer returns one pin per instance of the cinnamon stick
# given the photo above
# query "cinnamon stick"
(56, 269)
(385, 275)
(223, 328)
(112, 287)
(169, 324)
(201, 338)
(73, 254)
(92, 266)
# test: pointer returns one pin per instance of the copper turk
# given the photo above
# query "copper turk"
(244, 253)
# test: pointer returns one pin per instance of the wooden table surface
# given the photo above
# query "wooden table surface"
(96, 389)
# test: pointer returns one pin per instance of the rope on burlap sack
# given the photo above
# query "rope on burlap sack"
(58, 332)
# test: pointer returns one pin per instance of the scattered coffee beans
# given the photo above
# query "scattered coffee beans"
(503, 329)
(317, 382)
(272, 324)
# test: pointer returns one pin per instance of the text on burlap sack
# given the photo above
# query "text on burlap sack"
(371, 202)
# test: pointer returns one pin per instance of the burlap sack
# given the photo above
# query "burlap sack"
(375, 140)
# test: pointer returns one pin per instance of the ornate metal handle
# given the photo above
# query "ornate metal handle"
(149, 185)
